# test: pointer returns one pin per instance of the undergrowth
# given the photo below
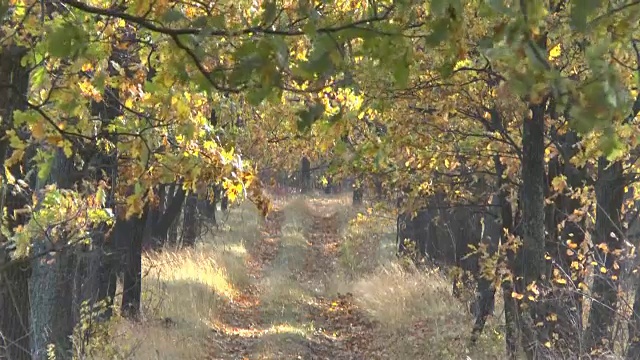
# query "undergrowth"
(417, 314)
(185, 290)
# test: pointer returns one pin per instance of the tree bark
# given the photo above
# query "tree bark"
(498, 215)
(14, 308)
(133, 231)
(305, 175)
(530, 262)
(190, 228)
(174, 205)
(51, 284)
(14, 300)
(608, 237)
(633, 350)
(358, 191)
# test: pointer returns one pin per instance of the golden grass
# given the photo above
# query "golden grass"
(418, 316)
(184, 289)
(282, 294)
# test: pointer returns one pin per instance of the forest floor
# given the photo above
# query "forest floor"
(316, 280)
(289, 314)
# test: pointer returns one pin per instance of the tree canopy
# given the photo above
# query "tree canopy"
(104, 103)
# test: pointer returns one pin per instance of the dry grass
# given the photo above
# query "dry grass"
(183, 290)
(282, 294)
(419, 318)
(396, 297)
(418, 315)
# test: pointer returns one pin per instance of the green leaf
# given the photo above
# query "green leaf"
(4, 8)
(258, 94)
(580, 11)
(38, 76)
(270, 12)
(310, 116)
(611, 146)
(173, 15)
(66, 40)
(499, 6)
(44, 162)
(200, 21)
(401, 72)
(438, 7)
(439, 32)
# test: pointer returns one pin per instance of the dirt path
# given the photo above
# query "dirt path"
(238, 324)
(288, 314)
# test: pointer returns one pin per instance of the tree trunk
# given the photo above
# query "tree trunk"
(14, 300)
(111, 260)
(358, 191)
(530, 261)
(51, 285)
(498, 218)
(190, 224)
(328, 189)
(633, 350)
(133, 231)
(174, 205)
(485, 300)
(608, 239)
(305, 175)
(14, 308)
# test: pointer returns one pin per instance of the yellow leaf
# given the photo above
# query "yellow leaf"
(547, 344)
(37, 130)
(515, 295)
(555, 52)
(10, 178)
(603, 270)
(583, 286)
(561, 281)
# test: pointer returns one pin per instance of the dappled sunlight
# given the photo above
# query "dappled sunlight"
(204, 268)
(253, 333)
(317, 276)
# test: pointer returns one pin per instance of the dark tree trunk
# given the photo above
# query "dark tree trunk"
(175, 201)
(305, 175)
(224, 201)
(111, 260)
(14, 299)
(51, 285)
(563, 226)
(498, 215)
(149, 242)
(190, 228)
(328, 189)
(378, 186)
(633, 351)
(14, 310)
(358, 191)
(133, 232)
(530, 262)
(608, 239)
(513, 224)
